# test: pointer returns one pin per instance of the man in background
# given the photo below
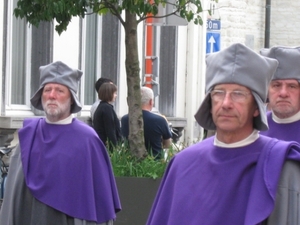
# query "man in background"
(284, 94)
(157, 133)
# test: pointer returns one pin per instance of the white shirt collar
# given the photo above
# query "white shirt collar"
(67, 120)
(291, 119)
(248, 140)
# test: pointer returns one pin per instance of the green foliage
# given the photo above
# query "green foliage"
(44, 10)
(198, 20)
(126, 165)
(63, 10)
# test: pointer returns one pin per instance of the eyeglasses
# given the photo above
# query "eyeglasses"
(236, 96)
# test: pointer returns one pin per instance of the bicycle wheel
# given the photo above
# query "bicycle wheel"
(3, 181)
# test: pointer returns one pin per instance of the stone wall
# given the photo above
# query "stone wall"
(243, 21)
(285, 25)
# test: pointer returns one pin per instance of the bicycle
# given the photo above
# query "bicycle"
(4, 153)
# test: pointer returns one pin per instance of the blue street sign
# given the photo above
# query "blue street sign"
(213, 25)
(213, 40)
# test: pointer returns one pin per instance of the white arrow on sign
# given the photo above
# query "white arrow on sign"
(211, 41)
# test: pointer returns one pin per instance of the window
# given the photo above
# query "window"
(17, 63)
(99, 53)
(90, 58)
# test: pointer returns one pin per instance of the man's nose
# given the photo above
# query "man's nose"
(52, 94)
(227, 101)
(283, 92)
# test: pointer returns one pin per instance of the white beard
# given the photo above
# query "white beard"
(61, 111)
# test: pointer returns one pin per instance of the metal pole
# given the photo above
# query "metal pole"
(267, 24)
(149, 51)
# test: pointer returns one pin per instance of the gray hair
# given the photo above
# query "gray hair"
(146, 95)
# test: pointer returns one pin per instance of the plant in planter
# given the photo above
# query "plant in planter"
(138, 182)
(126, 165)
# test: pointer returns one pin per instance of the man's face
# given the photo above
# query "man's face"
(56, 100)
(284, 97)
(233, 109)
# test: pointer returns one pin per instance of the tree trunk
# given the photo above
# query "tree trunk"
(136, 125)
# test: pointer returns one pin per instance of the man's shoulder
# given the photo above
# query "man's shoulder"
(277, 148)
(82, 125)
(124, 120)
(196, 150)
(32, 121)
(94, 106)
(203, 145)
(267, 140)
(80, 129)
(153, 115)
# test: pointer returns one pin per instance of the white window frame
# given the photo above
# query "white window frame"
(85, 107)
(16, 109)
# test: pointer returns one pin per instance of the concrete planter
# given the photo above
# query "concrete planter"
(137, 196)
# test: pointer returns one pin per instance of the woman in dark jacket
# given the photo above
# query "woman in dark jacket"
(106, 122)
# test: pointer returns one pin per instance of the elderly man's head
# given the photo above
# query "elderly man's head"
(57, 92)
(147, 98)
(284, 90)
(237, 79)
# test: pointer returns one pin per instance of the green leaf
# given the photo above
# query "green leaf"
(125, 164)
(189, 16)
(209, 12)
(154, 10)
(199, 7)
(200, 21)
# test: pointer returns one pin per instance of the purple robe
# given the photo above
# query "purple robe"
(282, 131)
(67, 168)
(206, 184)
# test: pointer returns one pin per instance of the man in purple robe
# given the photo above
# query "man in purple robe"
(284, 94)
(233, 177)
(60, 172)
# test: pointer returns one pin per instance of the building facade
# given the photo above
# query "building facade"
(95, 45)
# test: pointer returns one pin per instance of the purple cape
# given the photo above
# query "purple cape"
(67, 167)
(282, 131)
(206, 184)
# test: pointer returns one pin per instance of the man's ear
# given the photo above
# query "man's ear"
(256, 112)
(151, 102)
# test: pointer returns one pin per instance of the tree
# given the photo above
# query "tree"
(136, 11)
